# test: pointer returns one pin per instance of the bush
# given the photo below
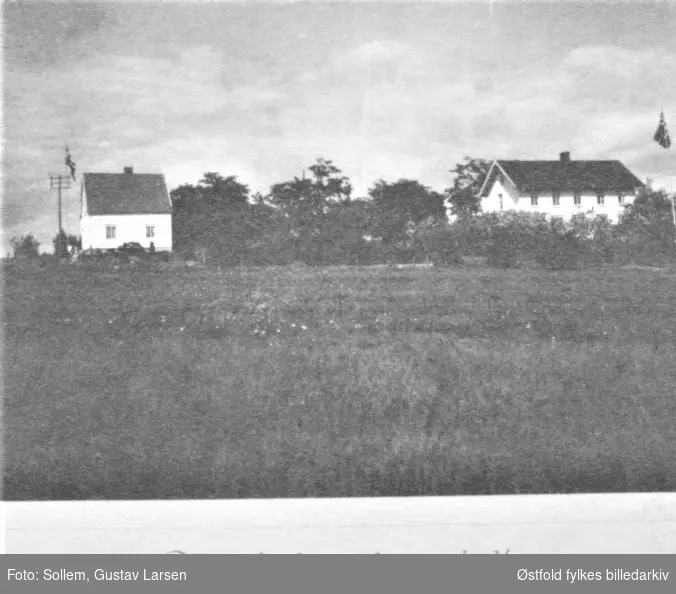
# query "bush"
(26, 247)
(560, 251)
(436, 241)
(504, 251)
(132, 248)
(515, 239)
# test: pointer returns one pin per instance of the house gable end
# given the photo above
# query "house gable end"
(495, 170)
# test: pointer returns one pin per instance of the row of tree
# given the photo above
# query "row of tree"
(313, 219)
(316, 220)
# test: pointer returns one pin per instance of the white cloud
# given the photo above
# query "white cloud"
(380, 51)
(394, 106)
(619, 61)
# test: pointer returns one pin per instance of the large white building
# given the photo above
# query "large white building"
(559, 188)
(118, 208)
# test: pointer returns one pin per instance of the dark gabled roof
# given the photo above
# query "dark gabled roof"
(126, 193)
(581, 176)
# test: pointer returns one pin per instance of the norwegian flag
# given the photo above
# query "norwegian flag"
(662, 135)
(70, 164)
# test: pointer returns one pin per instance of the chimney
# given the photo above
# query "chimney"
(129, 170)
(564, 157)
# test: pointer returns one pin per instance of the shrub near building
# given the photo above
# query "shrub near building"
(512, 239)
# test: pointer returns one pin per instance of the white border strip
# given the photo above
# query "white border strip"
(613, 523)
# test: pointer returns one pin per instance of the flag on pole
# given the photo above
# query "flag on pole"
(662, 134)
(70, 164)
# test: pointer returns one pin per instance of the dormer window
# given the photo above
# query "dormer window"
(556, 198)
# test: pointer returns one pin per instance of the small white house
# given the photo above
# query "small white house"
(118, 208)
(559, 188)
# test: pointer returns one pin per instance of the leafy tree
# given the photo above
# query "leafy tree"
(401, 204)
(223, 193)
(268, 240)
(648, 218)
(258, 198)
(75, 242)
(463, 195)
(347, 233)
(306, 203)
(649, 205)
(212, 216)
(60, 243)
(313, 196)
(25, 247)
(188, 212)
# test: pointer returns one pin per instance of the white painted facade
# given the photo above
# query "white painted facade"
(504, 196)
(127, 228)
(111, 231)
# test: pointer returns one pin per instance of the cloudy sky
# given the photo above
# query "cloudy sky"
(384, 89)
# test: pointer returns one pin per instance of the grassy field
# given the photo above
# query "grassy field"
(344, 382)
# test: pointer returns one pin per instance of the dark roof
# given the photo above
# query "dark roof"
(547, 176)
(126, 193)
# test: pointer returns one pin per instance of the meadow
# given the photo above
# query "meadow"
(283, 382)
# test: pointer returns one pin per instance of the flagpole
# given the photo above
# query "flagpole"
(662, 138)
(671, 193)
(673, 208)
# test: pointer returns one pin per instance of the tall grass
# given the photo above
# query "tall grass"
(303, 383)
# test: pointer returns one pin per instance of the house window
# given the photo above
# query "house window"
(500, 197)
(620, 198)
(150, 230)
(110, 232)
(600, 198)
(533, 199)
(577, 198)
(556, 198)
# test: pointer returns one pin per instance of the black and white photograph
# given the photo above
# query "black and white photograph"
(339, 276)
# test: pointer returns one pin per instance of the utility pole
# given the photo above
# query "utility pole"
(59, 182)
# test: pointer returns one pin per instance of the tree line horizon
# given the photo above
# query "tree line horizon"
(315, 219)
